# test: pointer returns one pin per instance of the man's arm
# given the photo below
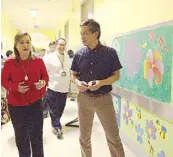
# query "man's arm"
(82, 86)
(110, 80)
(74, 76)
(115, 69)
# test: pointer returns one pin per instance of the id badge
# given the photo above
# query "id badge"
(63, 73)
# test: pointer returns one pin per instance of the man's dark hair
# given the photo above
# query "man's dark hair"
(52, 43)
(43, 49)
(71, 53)
(60, 39)
(93, 26)
(9, 52)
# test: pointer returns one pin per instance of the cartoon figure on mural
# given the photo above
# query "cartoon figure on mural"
(162, 130)
(139, 113)
(131, 123)
(144, 45)
(150, 148)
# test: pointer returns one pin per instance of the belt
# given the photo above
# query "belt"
(94, 95)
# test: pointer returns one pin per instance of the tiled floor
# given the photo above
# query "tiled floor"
(69, 146)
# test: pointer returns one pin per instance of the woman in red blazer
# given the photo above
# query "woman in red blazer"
(25, 78)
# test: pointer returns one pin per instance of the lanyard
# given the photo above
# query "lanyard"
(62, 65)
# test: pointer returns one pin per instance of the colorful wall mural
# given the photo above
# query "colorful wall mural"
(153, 134)
(147, 59)
(117, 106)
(146, 56)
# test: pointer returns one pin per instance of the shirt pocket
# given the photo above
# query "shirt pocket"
(84, 64)
(54, 66)
(102, 67)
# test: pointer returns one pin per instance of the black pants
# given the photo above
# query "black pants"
(45, 106)
(56, 103)
(28, 128)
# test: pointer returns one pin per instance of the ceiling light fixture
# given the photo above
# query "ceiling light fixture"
(90, 15)
(33, 12)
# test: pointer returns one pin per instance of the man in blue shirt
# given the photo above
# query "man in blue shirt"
(94, 69)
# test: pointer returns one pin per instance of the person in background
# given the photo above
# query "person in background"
(5, 117)
(73, 88)
(3, 55)
(42, 53)
(4, 110)
(70, 53)
(58, 66)
(4, 106)
(25, 78)
(94, 69)
(52, 48)
(9, 53)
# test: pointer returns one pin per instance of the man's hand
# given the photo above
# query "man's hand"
(94, 85)
(82, 86)
(22, 88)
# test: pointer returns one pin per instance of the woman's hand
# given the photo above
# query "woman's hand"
(22, 88)
(40, 84)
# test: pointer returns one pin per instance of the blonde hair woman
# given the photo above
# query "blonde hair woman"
(25, 78)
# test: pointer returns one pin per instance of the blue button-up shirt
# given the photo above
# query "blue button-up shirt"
(96, 64)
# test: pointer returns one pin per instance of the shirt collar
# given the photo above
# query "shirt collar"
(97, 48)
(57, 53)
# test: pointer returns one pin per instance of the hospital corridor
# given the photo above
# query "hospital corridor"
(86, 78)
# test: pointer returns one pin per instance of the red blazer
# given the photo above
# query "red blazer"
(13, 72)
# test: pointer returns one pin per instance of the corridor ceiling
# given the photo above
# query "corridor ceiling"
(49, 13)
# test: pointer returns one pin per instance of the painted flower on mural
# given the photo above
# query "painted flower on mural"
(150, 129)
(140, 133)
(152, 35)
(165, 48)
(160, 40)
(139, 113)
(132, 64)
(153, 67)
(127, 113)
(161, 154)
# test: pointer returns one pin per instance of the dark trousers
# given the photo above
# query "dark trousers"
(56, 103)
(45, 106)
(28, 128)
